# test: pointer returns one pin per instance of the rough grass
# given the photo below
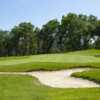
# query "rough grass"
(28, 88)
(85, 58)
(93, 75)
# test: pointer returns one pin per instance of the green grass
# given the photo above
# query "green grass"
(85, 58)
(93, 75)
(17, 87)
(28, 88)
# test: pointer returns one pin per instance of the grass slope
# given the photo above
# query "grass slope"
(28, 88)
(84, 58)
(93, 75)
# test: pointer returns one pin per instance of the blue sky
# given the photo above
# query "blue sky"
(39, 12)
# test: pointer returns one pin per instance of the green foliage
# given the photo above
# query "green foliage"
(23, 39)
(76, 31)
(73, 32)
(48, 36)
(4, 42)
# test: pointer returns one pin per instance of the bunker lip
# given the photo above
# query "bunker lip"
(59, 79)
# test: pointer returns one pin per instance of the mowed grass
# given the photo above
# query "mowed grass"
(85, 58)
(28, 88)
(17, 87)
(93, 75)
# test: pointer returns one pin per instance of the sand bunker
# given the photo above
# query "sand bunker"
(63, 79)
(59, 79)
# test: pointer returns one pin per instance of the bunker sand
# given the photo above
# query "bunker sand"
(59, 79)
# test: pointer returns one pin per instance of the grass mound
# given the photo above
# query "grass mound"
(93, 75)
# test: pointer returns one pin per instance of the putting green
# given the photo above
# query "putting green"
(84, 58)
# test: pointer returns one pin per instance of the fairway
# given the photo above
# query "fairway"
(26, 87)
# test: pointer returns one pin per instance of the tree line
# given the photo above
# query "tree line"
(73, 32)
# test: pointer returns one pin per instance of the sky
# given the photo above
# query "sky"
(39, 12)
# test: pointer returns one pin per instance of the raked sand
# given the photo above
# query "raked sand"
(63, 79)
(60, 79)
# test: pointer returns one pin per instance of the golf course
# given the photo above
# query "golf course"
(16, 82)
(50, 50)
